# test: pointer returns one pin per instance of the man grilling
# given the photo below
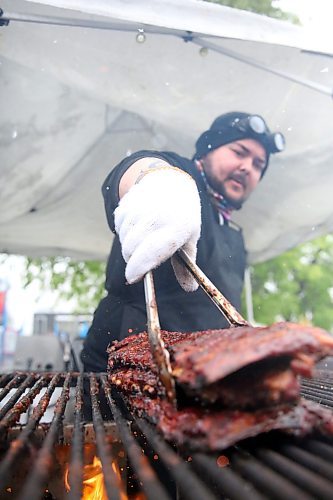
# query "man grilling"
(158, 202)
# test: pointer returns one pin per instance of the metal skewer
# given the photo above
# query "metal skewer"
(224, 306)
(157, 346)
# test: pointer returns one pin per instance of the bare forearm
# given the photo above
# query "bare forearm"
(137, 169)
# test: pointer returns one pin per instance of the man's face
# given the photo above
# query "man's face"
(235, 169)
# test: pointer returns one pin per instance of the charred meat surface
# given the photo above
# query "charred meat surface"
(201, 358)
(215, 363)
(241, 378)
(265, 386)
(212, 430)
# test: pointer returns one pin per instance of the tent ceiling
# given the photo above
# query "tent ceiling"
(77, 100)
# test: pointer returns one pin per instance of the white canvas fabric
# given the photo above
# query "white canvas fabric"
(75, 101)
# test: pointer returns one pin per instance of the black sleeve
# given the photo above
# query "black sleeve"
(110, 187)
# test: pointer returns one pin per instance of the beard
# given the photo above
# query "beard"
(219, 187)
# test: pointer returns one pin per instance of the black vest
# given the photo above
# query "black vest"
(221, 256)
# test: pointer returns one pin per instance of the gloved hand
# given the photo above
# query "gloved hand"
(154, 219)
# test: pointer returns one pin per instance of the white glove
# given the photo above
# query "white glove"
(154, 219)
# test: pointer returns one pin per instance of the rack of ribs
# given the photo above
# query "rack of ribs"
(231, 384)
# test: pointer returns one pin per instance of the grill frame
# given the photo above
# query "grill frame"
(262, 467)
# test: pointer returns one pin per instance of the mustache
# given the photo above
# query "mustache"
(239, 177)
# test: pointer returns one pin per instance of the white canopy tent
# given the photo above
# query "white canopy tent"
(78, 93)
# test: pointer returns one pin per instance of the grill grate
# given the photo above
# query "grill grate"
(271, 466)
(319, 389)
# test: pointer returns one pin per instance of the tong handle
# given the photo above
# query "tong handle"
(224, 306)
(160, 353)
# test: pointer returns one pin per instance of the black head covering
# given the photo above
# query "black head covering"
(224, 130)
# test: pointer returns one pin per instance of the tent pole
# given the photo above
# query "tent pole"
(5, 18)
(256, 64)
(248, 296)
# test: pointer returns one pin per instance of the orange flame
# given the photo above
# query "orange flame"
(93, 487)
(67, 485)
(93, 482)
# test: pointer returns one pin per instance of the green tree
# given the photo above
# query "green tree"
(296, 286)
(82, 281)
(266, 7)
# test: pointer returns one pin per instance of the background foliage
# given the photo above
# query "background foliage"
(266, 7)
(297, 285)
(82, 281)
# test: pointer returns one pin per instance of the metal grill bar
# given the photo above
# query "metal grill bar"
(313, 462)
(189, 484)
(318, 399)
(36, 482)
(112, 484)
(316, 384)
(140, 463)
(228, 482)
(260, 468)
(320, 383)
(306, 479)
(76, 461)
(319, 448)
(16, 396)
(267, 480)
(13, 383)
(4, 378)
(319, 390)
(18, 445)
(21, 407)
(314, 391)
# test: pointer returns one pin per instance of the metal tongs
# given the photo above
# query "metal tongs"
(157, 346)
(160, 353)
(223, 304)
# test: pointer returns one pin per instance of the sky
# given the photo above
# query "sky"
(316, 15)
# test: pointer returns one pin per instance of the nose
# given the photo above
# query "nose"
(247, 164)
